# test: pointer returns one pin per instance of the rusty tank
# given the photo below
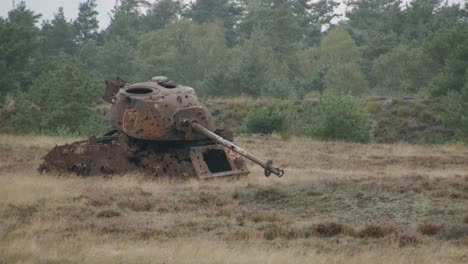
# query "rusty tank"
(160, 128)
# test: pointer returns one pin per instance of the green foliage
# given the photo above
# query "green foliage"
(346, 79)
(250, 67)
(337, 47)
(334, 66)
(126, 21)
(184, 51)
(60, 102)
(114, 58)
(267, 119)
(86, 24)
(278, 88)
(375, 24)
(162, 13)
(339, 117)
(18, 42)
(456, 112)
(288, 21)
(453, 46)
(57, 36)
(400, 71)
(215, 11)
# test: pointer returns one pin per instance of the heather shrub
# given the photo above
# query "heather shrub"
(328, 229)
(429, 229)
(376, 231)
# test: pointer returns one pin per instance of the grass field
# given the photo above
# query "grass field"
(337, 203)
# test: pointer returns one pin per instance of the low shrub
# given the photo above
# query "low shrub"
(429, 229)
(136, 205)
(108, 214)
(267, 119)
(376, 231)
(328, 229)
(338, 117)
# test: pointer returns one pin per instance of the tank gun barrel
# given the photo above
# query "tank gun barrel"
(267, 165)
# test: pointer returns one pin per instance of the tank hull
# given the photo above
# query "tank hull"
(116, 153)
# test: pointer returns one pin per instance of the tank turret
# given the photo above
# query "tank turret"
(160, 128)
(148, 111)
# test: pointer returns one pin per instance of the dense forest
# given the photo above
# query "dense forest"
(258, 48)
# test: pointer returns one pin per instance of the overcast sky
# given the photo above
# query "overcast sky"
(48, 7)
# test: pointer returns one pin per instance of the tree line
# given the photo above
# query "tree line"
(275, 48)
(253, 47)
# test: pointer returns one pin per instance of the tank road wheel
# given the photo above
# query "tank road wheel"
(43, 169)
(81, 168)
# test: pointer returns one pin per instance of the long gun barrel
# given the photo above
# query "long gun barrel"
(267, 165)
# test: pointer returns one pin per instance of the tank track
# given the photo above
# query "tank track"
(116, 153)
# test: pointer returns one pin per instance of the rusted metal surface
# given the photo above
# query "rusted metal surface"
(112, 88)
(106, 155)
(160, 129)
(266, 165)
(215, 160)
(147, 111)
(118, 154)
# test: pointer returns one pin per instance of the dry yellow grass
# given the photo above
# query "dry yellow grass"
(130, 219)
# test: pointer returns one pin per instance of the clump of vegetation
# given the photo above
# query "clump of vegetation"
(338, 117)
(328, 229)
(209, 200)
(108, 214)
(376, 231)
(408, 238)
(269, 194)
(22, 212)
(267, 119)
(258, 216)
(429, 229)
(346, 78)
(137, 205)
(456, 112)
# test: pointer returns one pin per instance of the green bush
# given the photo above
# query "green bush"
(346, 78)
(267, 119)
(456, 113)
(340, 117)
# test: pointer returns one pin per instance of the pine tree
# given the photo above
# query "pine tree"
(18, 41)
(86, 24)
